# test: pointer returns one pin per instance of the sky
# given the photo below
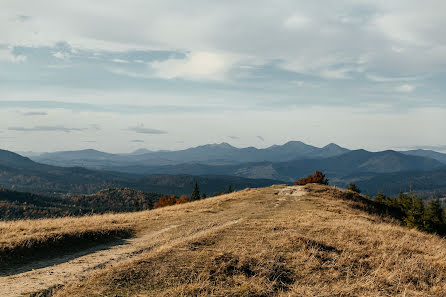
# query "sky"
(122, 75)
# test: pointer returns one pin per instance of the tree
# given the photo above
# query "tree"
(195, 193)
(229, 190)
(136, 206)
(415, 214)
(381, 198)
(433, 217)
(353, 187)
(203, 196)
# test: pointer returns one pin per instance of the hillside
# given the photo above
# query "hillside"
(21, 205)
(22, 174)
(277, 241)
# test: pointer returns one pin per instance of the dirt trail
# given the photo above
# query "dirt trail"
(78, 265)
(73, 266)
(172, 230)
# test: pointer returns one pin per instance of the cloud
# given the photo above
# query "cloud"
(234, 137)
(137, 141)
(379, 78)
(23, 18)
(430, 147)
(46, 129)
(120, 61)
(61, 55)
(406, 88)
(8, 55)
(196, 65)
(141, 129)
(260, 138)
(35, 113)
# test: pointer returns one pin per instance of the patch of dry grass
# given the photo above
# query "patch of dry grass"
(271, 242)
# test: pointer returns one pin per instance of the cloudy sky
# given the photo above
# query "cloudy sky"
(121, 75)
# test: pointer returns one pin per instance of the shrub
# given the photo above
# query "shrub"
(353, 187)
(317, 178)
(166, 201)
(183, 199)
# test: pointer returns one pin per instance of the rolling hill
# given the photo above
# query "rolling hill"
(277, 241)
(22, 174)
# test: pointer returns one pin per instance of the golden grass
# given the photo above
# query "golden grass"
(266, 242)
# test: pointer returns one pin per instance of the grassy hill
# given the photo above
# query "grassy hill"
(277, 241)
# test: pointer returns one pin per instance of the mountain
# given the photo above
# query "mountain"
(426, 183)
(358, 161)
(277, 241)
(20, 173)
(140, 151)
(212, 154)
(427, 153)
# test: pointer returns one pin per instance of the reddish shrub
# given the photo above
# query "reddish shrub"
(317, 178)
(183, 199)
(166, 201)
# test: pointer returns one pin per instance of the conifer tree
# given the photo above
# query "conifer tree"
(415, 214)
(433, 217)
(195, 193)
(353, 187)
(229, 190)
(380, 198)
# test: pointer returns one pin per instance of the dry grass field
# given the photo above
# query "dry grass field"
(279, 241)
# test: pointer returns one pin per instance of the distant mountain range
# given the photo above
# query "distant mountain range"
(219, 163)
(23, 174)
(215, 154)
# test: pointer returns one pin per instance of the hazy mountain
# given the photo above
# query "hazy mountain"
(428, 183)
(427, 153)
(215, 154)
(358, 161)
(141, 151)
(21, 173)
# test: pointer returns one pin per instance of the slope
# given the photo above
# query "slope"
(22, 174)
(277, 241)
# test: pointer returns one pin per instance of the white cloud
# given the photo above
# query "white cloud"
(296, 22)
(307, 37)
(406, 88)
(61, 55)
(379, 78)
(120, 61)
(197, 65)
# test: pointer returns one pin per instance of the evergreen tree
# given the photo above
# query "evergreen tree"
(136, 206)
(353, 187)
(195, 193)
(229, 190)
(433, 217)
(203, 196)
(415, 215)
(381, 198)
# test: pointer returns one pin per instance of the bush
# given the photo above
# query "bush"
(166, 201)
(317, 178)
(354, 188)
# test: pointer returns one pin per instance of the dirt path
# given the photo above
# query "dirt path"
(74, 266)
(173, 228)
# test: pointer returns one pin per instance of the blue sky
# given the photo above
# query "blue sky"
(121, 75)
